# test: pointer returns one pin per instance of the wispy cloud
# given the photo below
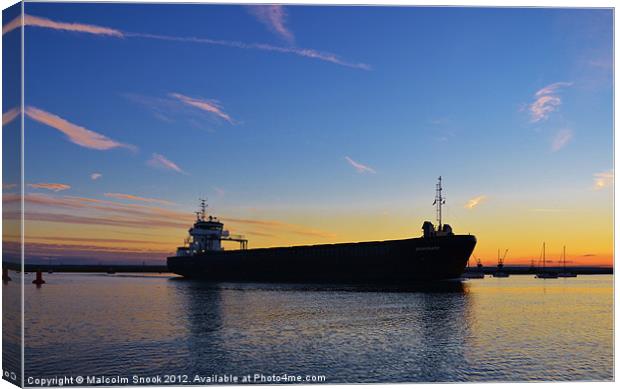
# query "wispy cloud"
(211, 106)
(159, 161)
(301, 52)
(553, 88)
(547, 100)
(10, 115)
(90, 211)
(361, 168)
(123, 196)
(76, 134)
(36, 21)
(561, 139)
(171, 109)
(286, 227)
(91, 29)
(601, 63)
(219, 192)
(95, 176)
(50, 186)
(476, 201)
(603, 179)
(274, 17)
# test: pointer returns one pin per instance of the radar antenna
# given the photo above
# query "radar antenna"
(439, 201)
(203, 209)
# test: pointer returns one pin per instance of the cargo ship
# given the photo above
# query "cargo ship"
(438, 254)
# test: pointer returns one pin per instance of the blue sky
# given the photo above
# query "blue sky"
(410, 93)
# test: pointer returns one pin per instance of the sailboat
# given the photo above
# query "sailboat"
(565, 273)
(544, 273)
(500, 273)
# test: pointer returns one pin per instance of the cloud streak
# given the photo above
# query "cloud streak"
(546, 101)
(10, 115)
(291, 228)
(36, 21)
(95, 176)
(561, 139)
(210, 106)
(361, 168)
(159, 161)
(50, 186)
(301, 52)
(476, 201)
(98, 30)
(90, 211)
(274, 17)
(123, 196)
(603, 179)
(79, 135)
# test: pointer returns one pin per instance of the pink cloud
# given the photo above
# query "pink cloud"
(160, 161)
(547, 101)
(210, 106)
(360, 167)
(98, 30)
(76, 134)
(10, 115)
(274, 17)
(561, 139)
(50, 186)
(552, 88)
(89, 211)
(302, 52)
(124, 196)
(36, 21)
(603, 179)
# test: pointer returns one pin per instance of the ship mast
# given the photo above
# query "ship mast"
(439, 201)
(203, 209)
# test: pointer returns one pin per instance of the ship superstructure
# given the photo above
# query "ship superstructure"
(207, 234)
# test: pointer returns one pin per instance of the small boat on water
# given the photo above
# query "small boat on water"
(545, 273)
(477, 274)
(564, 273)
(500, 273)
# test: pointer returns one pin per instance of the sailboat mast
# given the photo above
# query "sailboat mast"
(564, 257)
(439, 201)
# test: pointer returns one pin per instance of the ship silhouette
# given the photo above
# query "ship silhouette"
(438, 254)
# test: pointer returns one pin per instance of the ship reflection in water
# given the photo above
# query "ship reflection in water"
(479, 330)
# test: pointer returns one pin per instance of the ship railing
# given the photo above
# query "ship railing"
(243, 242)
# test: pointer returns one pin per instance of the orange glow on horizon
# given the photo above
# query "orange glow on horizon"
(58, 225)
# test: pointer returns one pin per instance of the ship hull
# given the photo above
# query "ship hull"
(385, 262)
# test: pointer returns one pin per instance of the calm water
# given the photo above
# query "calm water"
(514, 329)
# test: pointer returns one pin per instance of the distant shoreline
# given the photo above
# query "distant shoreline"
(164, 269)
(557, 269)
(88, 268)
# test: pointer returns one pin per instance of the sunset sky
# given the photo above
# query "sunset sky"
(313, 125)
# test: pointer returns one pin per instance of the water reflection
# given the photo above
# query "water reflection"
(515, 329)
(355, 333)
